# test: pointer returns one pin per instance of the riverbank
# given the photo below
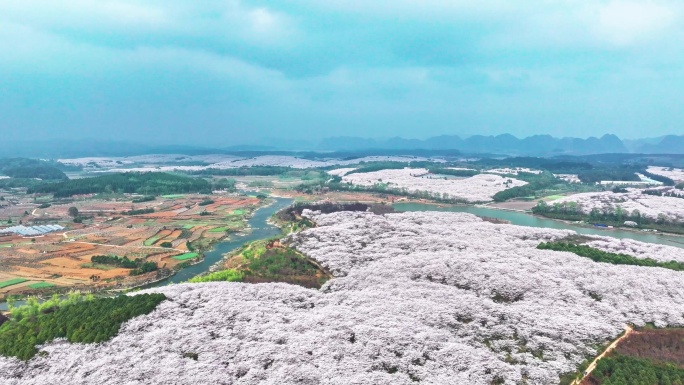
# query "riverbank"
(582, 223)
(257, 228)
(521, 218)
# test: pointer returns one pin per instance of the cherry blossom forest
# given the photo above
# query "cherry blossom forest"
(431, 298)
(478, 188)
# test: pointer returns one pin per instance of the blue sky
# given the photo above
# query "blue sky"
(229, 72)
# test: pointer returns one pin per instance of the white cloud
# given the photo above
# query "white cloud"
(628, 22)
(83, 14)
(154, 22)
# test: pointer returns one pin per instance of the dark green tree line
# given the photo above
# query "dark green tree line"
(597, 255)
(150, 183)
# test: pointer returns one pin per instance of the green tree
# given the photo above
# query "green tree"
(73, 211)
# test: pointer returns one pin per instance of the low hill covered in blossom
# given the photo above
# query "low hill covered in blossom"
(478, 188)
(432, 298)
(653, 207)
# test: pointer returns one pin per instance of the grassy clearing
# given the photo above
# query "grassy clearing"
(41, 285)
(173, 196)
(12, 282)
(185, 257)
(5, 245)
(553, 197)
(151, 241)
(229, 275)
(188, 227)
(239, 212)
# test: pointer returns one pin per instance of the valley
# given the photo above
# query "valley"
(389, 229)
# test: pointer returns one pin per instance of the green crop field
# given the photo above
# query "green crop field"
(239, 212)
(11, 282)
(188, 227)
(553, 197)
(151, 241)
(186, 256)
(173, 196)
(219, 230)
(5, 245)
(41, 285)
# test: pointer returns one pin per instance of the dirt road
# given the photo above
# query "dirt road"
(628, 330)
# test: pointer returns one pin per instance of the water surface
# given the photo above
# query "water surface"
(524, 219)
(259, 228)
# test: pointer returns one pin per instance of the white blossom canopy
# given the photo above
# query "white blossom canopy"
(440, 298)
(478, 188)
(650, 206)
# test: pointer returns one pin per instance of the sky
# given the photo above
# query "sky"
(223, 73)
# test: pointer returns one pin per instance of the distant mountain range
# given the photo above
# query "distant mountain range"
(505, 144)
(508, 144)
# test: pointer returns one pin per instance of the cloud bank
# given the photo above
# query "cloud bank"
(236, 70)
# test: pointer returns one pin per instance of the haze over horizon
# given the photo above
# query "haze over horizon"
(222, 73)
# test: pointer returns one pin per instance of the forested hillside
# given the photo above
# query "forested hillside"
(78, 319)
(151, 183)
(30, 168)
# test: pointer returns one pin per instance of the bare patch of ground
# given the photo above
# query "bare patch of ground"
(514, 205)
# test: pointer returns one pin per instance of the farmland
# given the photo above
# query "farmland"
(185, 257)
(168, 232)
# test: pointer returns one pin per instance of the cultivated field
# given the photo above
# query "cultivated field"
(168, 228)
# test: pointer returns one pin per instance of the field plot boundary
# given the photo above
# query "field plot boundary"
(151, 241)
(12, 282)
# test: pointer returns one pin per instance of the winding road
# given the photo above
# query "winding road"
(628, 330)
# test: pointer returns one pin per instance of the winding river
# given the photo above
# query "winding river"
(260, 229)
(524, 219)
